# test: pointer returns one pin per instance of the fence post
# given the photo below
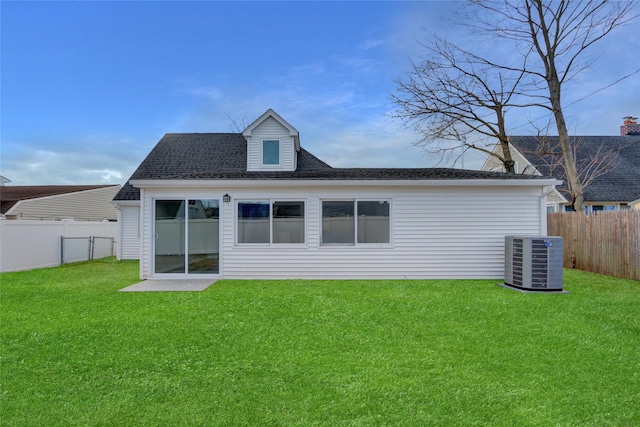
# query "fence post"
(62, 249)
(90, 254)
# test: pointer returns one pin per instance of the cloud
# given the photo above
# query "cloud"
(84, 160)
(371, 44)
(207, 92)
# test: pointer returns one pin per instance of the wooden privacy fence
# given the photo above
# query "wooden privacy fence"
(605, 242)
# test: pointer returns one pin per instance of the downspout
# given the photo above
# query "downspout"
(543, 209)
(118, 232)
(142, 212)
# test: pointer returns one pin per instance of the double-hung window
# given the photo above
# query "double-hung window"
(350, 222)
(270, 221)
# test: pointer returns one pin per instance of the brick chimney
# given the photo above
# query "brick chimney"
(630, 126)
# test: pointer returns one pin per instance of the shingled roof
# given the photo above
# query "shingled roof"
(220, 156)
(12, 194)
(621, 184)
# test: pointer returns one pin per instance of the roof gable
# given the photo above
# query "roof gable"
(270, 114)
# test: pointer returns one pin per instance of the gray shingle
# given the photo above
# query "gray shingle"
(201, 156)
(622, 184)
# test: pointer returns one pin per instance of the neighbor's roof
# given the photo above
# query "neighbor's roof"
(223, 156)
(12, 194)
(620, 184)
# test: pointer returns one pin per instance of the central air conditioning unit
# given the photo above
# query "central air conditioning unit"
(533, 262)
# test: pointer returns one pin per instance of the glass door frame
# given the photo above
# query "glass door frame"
(154, 236)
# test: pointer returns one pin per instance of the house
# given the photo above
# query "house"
(256, 204)
(56, 202)
(614, 159)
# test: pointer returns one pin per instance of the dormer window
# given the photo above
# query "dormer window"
(271, 152)
(272, 144)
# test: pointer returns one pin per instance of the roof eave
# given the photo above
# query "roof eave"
(117, 203)
(261, 183)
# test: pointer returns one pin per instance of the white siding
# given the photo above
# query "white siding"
(146, 235)
(271, 129)
(437, 232)
(522, 165)
(129, 240)
(89, 205)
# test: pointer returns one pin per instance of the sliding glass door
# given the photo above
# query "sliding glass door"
(202, 236)
(187, 236)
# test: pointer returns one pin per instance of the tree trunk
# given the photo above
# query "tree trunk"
(507, 160)
(575, 185)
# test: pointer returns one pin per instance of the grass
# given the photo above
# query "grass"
(315, 353)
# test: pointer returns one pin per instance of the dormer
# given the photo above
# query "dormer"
(272, 144)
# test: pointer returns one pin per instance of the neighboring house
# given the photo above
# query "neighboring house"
(55, 202)
(618, 157)
(257, 205)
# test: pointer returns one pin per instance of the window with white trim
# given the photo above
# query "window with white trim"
(270, 152)
(351, 222)
(267, 221)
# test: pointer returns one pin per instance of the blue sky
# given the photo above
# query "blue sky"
(88, 88)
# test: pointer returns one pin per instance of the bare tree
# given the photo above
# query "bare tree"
(450, 94)
(557, 33)
(592, 162)
(454, 92)
(240, 124)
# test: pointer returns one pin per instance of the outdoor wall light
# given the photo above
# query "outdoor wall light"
(226, 198)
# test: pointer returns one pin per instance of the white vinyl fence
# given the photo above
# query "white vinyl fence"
(26, 244)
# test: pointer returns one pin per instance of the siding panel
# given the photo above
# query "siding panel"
(89, 205)
(271, 129)
(146, 232)
(130, 232)
(437, 232)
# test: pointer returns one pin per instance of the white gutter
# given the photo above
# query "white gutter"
(118, 203)
(262, 183)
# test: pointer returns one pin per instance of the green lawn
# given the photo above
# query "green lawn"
(75, 352)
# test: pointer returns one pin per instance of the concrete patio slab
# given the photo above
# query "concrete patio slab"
(188, 285)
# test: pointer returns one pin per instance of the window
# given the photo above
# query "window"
(362, 221)
(338, 223)
(271, 152)
(271, 222)
(253, 222)
(373, 222)
(288, 222)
